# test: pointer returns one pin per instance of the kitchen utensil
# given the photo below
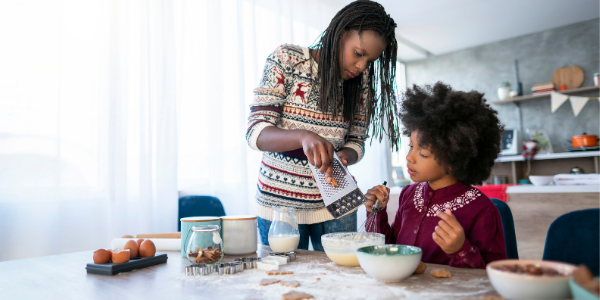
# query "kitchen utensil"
(584, 140)
(343, 199)
(205, 245)
(572, 76)
(577, 170)
(341, 247)
(239, 234)
(500, 179)
(133, 264)
(389, 263)
(283, 233)
(540, 180)
(189, 222)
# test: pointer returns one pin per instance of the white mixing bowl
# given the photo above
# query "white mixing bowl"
(540, 180)
(389, 263)
(341, 247)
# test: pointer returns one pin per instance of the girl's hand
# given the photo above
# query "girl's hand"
(319, 152)
(449, 234)
(377, 192)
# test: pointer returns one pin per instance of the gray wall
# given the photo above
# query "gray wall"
(485, 67)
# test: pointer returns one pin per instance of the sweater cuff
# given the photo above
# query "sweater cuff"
(466, 251)
(256, 130)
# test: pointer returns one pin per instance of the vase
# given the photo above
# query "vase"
(503, 93)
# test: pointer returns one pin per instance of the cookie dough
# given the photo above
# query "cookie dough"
(267, 281)
(490, 297)
(279, 273)
(420, 269)
(293, 295)
(290, 283)
(440, 273)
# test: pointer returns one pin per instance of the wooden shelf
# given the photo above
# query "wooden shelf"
(545, 156)
(534, 97)
(532, 189)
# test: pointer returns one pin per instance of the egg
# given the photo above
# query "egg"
(133, 248)
(102, 256)
(139, 242)
(120, 256)
(147, 249)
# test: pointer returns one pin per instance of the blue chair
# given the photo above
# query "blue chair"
(508, 226)
(199, 206)
(573, 238)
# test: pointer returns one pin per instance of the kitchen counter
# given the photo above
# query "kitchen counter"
(64, 277)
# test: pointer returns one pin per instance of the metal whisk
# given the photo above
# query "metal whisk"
(370, 224)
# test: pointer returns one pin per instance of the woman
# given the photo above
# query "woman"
(315, 101)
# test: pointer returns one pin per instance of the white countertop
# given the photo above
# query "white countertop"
(529, 188)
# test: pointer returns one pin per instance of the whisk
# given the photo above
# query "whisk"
(370, 224)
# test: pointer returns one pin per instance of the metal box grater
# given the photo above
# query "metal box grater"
(343, 199)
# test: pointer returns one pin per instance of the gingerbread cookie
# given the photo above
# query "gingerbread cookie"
(290, 283)
(440, 273)
(267, 281)
(293, 295)
(279, 273)
(490, 297)
(420, 269)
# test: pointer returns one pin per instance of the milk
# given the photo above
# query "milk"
(286, 243)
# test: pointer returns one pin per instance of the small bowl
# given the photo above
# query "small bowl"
(540, 180)
(523, 286)
(341, 247)
(389, 263)
(579, 293)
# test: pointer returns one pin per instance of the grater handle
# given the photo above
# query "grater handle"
(377, 206)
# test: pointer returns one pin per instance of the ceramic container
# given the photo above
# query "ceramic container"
(389, 263)
(584, 140)
(239, 234)
(523, 286)
(186, 229)
(540, 180)
(579, 293)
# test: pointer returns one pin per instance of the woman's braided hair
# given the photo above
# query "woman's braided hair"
(381, 109)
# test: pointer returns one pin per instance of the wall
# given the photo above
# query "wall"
(485, 67)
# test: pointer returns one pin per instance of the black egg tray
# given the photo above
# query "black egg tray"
(133, 264)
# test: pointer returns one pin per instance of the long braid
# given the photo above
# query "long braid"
(381, 109)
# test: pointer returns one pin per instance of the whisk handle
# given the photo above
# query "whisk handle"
(377, 205)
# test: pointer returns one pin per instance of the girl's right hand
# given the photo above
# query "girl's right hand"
(319, 152)
(377, 192)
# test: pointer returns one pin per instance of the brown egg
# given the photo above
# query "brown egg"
(133, 248)
(147, 249)
(101, 256)
(120, 256)
(139, 242)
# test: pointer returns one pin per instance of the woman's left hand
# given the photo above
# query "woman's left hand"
(449, 234)
(344, 156)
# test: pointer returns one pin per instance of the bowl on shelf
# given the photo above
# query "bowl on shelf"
(389, 263)
(540, 180)
(341, 247)
(514, 285)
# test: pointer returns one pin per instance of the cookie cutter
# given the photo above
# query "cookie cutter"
(290, 256)
(248, 262)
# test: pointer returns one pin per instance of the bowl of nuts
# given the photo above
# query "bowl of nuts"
(530, 279)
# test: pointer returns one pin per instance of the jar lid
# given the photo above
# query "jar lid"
(199, 219)
(206, 228)
(238, 217)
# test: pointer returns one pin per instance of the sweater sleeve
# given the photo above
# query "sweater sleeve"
(390, 232)
(269, 98)
(484, 244)
(358, 131)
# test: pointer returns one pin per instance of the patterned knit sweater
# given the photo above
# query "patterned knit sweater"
(286, 98)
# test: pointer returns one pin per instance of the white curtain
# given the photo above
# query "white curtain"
(109, 108)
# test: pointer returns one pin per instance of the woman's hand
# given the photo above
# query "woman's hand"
(377, 192)
(449, 234)
(319, 152)
(344, 157)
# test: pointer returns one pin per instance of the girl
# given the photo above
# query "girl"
(312, 102)
(454, 139)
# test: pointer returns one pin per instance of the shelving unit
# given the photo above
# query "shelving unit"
(535, 97)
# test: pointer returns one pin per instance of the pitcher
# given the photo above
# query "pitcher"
(283, 233)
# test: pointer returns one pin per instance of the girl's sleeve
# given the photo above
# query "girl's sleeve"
(269, 98)
(358, 131)
(484, 244)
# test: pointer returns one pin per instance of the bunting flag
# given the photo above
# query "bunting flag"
(578, 103)
(557, 100)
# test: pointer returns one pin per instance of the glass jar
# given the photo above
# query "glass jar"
(283, 233)
(205, 245)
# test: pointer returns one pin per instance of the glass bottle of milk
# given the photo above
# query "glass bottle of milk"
(283, 233)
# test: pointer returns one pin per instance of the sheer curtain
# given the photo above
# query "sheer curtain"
(111, 108)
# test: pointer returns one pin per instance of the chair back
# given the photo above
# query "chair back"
(199, 206)
(508, 226)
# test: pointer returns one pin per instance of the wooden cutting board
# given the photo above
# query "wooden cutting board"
(571, 76)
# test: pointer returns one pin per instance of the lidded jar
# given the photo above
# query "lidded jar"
(205, 245)
(283, 233)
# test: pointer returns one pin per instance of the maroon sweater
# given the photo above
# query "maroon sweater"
(416, 220)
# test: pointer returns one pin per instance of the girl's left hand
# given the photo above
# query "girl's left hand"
(449, 234)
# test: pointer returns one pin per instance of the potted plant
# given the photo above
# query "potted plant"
(504, 91)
